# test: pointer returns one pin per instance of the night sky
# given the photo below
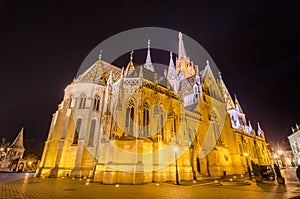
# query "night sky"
(42, 44)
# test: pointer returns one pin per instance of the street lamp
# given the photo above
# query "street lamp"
(280, 153)
(276, 159)
(175, 149)
(249, 170)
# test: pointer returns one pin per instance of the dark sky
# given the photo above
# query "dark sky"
(42, 44)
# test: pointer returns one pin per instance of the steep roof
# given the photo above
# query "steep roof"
(18, 142)
(98, 73)
(228, 100)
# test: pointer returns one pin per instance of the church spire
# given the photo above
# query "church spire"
(148, 64)
(171, 75)
(181, 49)
(171, 62)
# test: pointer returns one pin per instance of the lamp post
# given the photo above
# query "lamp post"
(249, 170)
(280, 153)
(276, 158)
(175, 149)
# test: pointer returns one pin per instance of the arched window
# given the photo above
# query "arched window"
(162, 125)
(129, 117)
(146, 119)
(96, 103)
(82, 101)
(92, 132)
(198, 165)
(195, 89)
(77, 131)
(175, 127)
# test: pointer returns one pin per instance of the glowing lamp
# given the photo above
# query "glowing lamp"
(175, 149)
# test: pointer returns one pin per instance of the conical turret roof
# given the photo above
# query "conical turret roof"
(18, 142)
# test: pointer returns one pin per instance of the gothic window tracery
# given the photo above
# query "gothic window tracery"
(96, 103)
(146, 119)
(130, 116)
(161, 123)
(82, 101)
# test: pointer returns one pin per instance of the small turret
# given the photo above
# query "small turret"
(250, 127)
(148, 63)
(171, 75)
(259, 130)
(130, 66)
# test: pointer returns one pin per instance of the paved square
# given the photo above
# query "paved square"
(21, 185)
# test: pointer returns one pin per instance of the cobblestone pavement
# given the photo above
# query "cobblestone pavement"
(20, 185)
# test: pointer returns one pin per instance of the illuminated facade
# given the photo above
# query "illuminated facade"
(116, 126)
(11, 156)
(294, 140)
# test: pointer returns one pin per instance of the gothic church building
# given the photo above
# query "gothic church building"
(134, 125)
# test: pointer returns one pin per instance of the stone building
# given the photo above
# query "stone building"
(294, 140)
(133, 125)
(12, 155)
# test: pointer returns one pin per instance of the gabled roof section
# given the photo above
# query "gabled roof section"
(210, 80)
(186, 85)
(98, 73)
(18, 142)
(192, 107)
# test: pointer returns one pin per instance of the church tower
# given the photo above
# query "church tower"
(183, 63)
